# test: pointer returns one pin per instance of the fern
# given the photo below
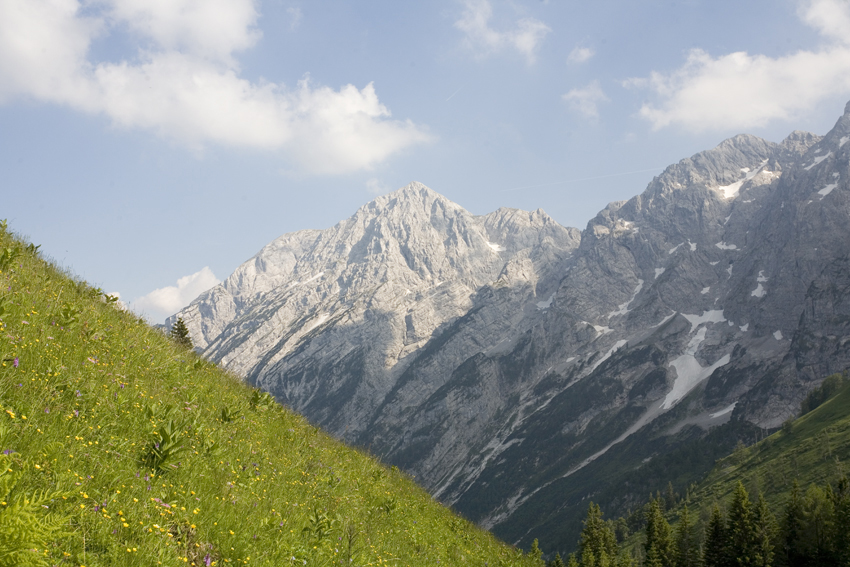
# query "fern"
(26, 522)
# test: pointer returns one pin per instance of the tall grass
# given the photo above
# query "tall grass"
(121, 448)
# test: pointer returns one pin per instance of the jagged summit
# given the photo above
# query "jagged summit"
(509, 362)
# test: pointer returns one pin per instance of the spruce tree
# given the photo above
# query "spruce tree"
(687, 548)
(714, 550)
(841, 525)
(180, 334)
(597, 543)
(740, 528)
(670, 497)
(659, 547)
(819, 514)
(793, 522)
(572, 561)
(535, 552)
(765, 532)
(557, 562)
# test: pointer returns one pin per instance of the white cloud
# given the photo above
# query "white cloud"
(166, 301)
(484, 40)
(580, 55)
(209, 28)
(739, 90)
(297, 15)
(586, 100)
(375, 187)
(186, 86)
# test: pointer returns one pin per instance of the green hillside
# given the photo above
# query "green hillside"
(810, 452)
(812, 449)
(121, 448)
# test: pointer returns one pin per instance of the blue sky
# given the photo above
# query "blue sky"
(151, 146)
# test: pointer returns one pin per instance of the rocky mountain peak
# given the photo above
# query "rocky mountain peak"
(511, 369)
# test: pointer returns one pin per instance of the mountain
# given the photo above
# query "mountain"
(517, 367)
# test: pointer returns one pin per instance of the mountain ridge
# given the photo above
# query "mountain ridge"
(458, 347)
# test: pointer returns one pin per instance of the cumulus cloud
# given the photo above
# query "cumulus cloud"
(483, 40)
(739, 90)
(580, 55)
(166, 301)
(586, 100)
(185, 83)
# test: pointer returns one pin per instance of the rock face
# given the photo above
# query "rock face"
(518, 368)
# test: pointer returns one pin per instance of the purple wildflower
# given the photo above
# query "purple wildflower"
(15, 362)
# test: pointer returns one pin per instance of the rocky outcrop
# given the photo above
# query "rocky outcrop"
(517, 368)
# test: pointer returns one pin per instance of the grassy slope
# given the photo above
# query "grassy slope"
(811, 449)
(84, 389)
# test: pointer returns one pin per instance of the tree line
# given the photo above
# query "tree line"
(813, 530)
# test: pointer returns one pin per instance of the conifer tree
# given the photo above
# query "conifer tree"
(557, 562)
(714, 550)
(535, 552)
(687, 548)
(659, 547)
(670, 497)
(841, 526)
(819, 514)
(180, 334)
(793, 522)
(740, 528)
(572, 561)
(597, 543)
(765, 532)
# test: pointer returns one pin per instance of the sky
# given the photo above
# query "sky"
(152, 146)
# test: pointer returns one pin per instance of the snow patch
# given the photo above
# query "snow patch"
(729, 270)
(495, 247)
(843, 140)
(693, 245)
(827, 190)
(724, 246)
(608, 354)
(664, 320)
(759, 290)
(601, 330)
(689, 372)
(675, 248)
(713, 263)
(705, 290)
(777, 335)
(724, 411)
(745, 327)
(320, 320)
(713, 316)
(624, 307)
(541, 305)
(818, 160)
(732, 190)
(317, 276)
(658, 272)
